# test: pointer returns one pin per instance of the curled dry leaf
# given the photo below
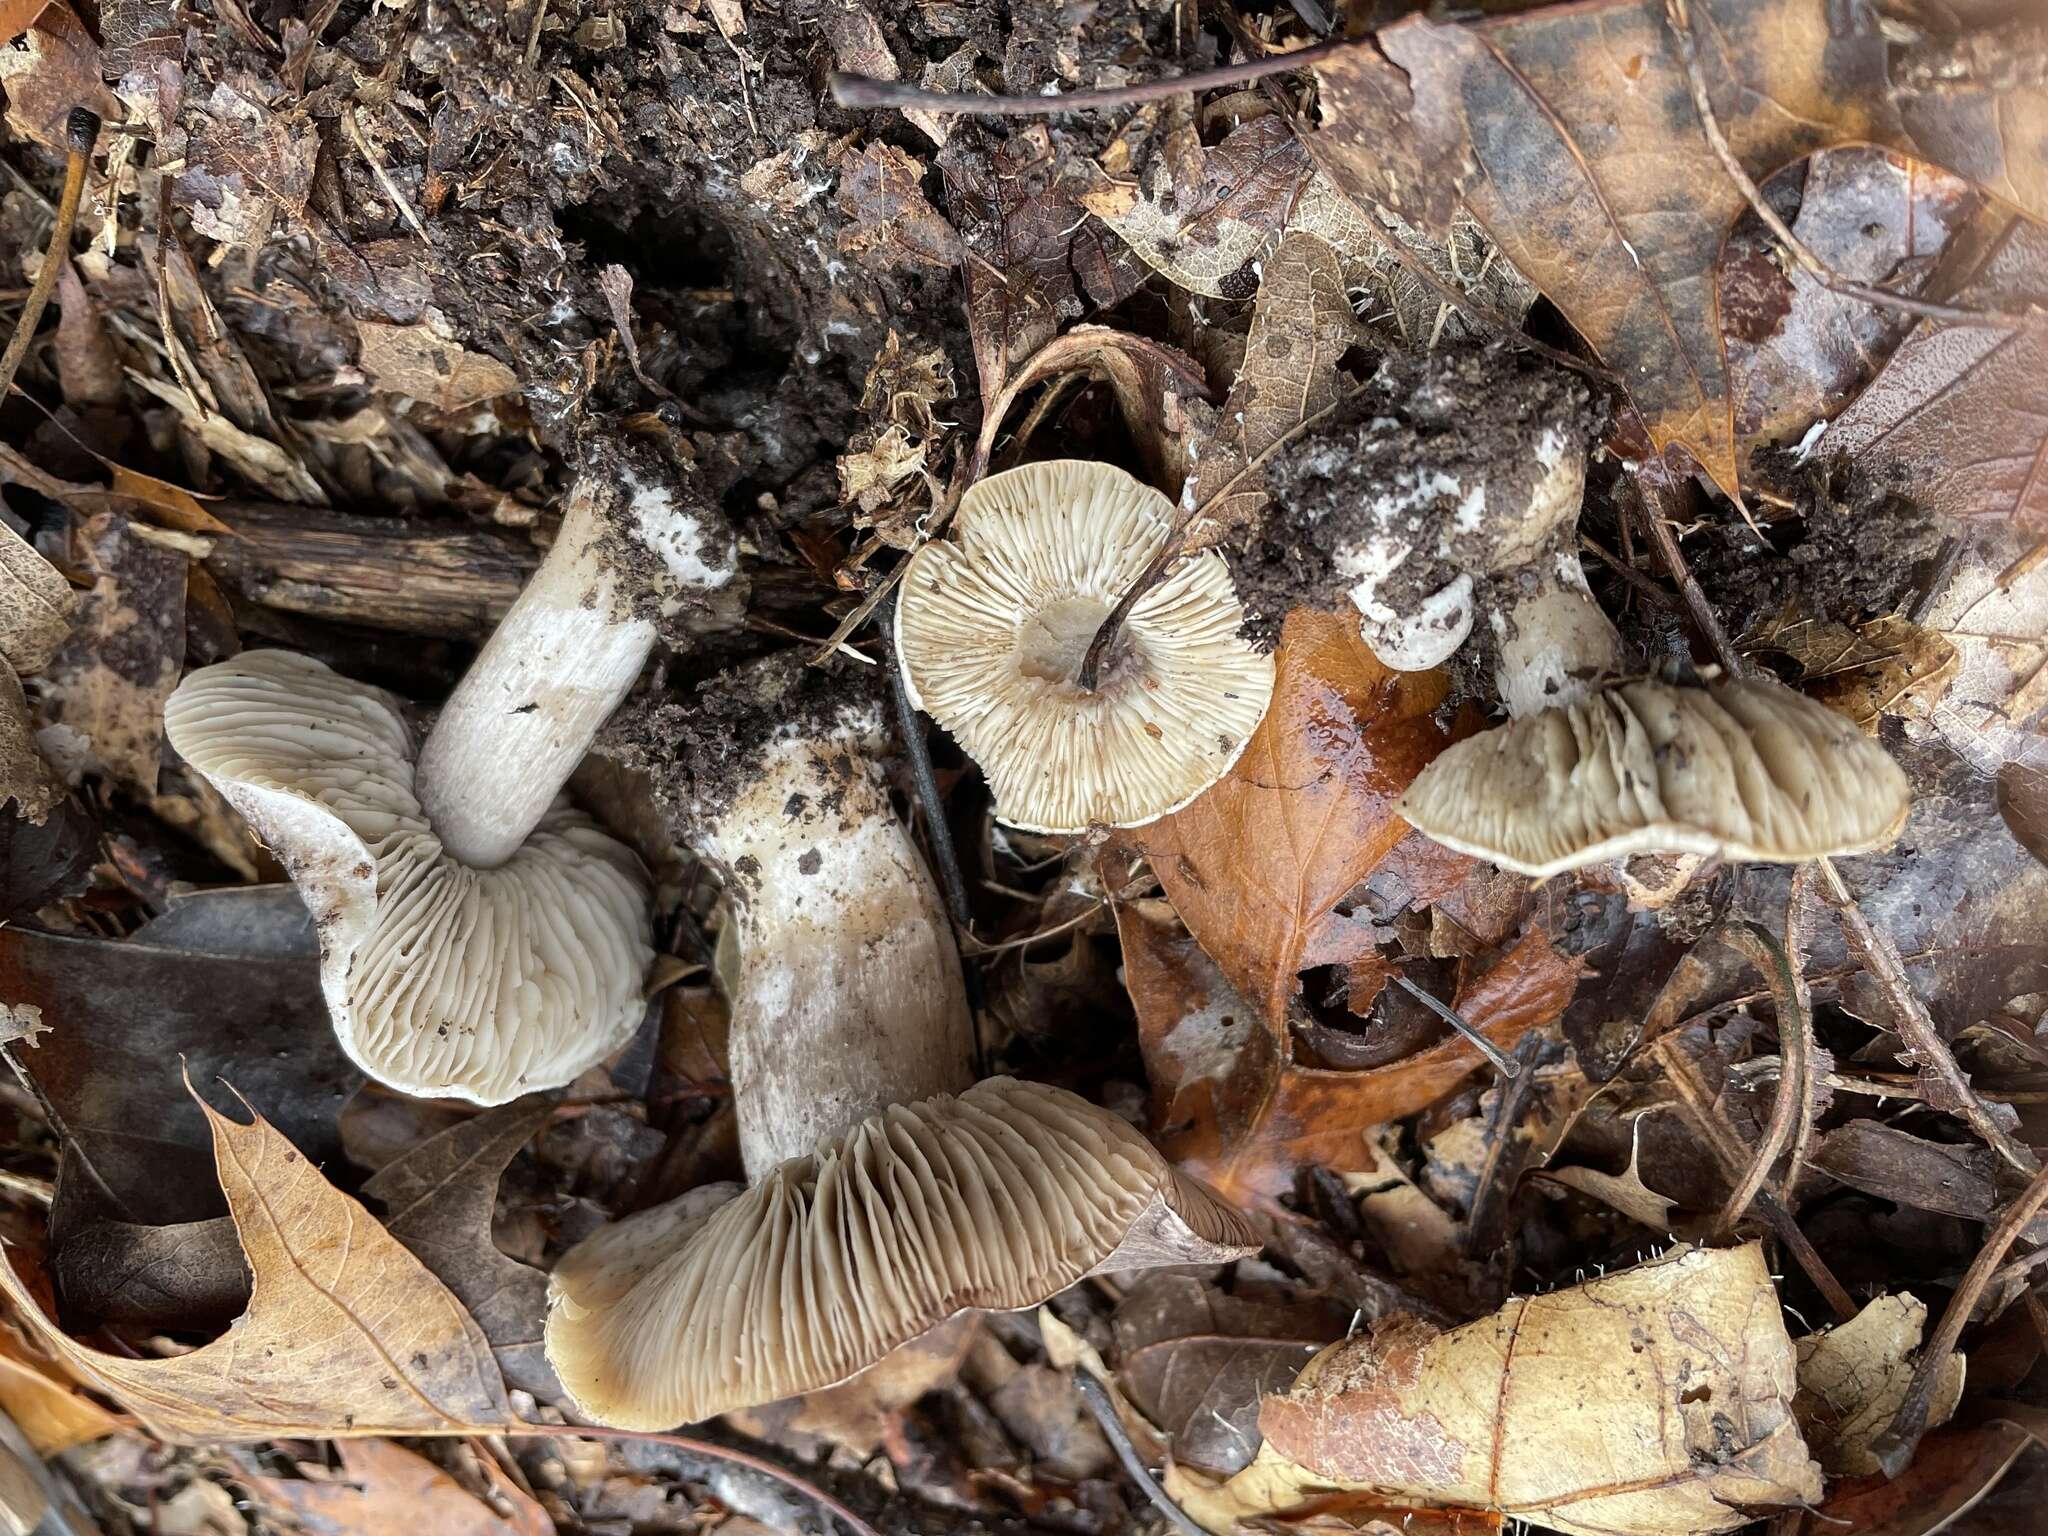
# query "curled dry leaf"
(346, 1332)
(1852, 1379)
(25, 779)
(1656, 1401)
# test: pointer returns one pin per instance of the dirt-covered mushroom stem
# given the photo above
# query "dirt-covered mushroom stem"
(848, 996)
(641, 547)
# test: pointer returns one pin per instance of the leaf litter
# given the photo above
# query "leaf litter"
(1571, 1216)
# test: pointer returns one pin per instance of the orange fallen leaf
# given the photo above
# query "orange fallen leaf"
(1257, 865)
(384, 1487)
(37, 1395)
(1233, 1106)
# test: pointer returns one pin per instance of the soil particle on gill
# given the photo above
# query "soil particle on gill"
(703, 754)
(1400, 458)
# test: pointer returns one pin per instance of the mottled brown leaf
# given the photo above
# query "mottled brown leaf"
(1301, 326)
(2023, 802)
(1257, 865)
(1894, 1165)
(890, 221)
(412, 360)
(383, 1488)
(1951, 1471)
(1205, 227)
(1958, 419)
(346, 1332)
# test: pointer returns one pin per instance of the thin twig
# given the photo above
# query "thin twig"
(1675, 567)
(706, 1448)
(1502, 1063)
(866, 91)
(1024, 940)
(1894, 1448)
(1792, 1106)
(81, 130)
(1688, 54)
(945, 856)
(354, 126)
(1929, 1051)
(1096, 1396)
(1178, 540)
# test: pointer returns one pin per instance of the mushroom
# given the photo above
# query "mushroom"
(887, 1191)
(1734, 770)
(479, 937)
(992, 628)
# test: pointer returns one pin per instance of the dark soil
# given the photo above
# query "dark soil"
(1472, 415)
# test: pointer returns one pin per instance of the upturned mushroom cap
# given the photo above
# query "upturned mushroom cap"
(993, 625)
(441, 980)
(1738, 770)
(998, 1198)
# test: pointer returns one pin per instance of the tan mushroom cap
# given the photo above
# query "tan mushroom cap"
(998, 1198)
(992, 627)
(1738, 770)
(441, 980)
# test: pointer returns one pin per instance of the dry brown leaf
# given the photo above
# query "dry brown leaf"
(1301, 326)
(25, 778)
(1888, 666)
(412, 360)
(1951, 1471)
(1955, 420)
(1229, 1101)
(111, 678)
(53, 67)
(36, 604)
(888, 218)
(1257, 865)
(1417, 1235)
(346, 1333)
(1655, 1401)
(17, 16)
(1624, 1192)
(276, 470)
(2023, 802)
(50, 1409)
(1852, 1379)
(165, 504)
(384, 1488)
(1204, 227)
(1584, 158)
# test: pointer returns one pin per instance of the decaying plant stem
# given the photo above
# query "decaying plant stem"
(81, 132)
(1894, 1448)
(1793, 1105)
(1916, 1028)
(1096, 1396)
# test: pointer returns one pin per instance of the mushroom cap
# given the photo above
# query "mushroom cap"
(1738, 770)
(998, 1198)
(992, 626)
(441, 980)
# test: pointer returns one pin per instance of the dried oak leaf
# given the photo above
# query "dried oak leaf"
(1957, 419)
(1202, 225)
(1572, 136)
(1853, 1378)
(1257, 865)
(346, 1332)
(1302, 325)
(384, 1487)
(1228, 1099)
(412, 360)
(1656, 1401)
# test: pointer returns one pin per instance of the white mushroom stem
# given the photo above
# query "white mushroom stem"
(849, 997)
(567, 653)
(1554, 643)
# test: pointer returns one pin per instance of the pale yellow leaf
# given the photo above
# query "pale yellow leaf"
(1853, 1378)
(35, 604)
